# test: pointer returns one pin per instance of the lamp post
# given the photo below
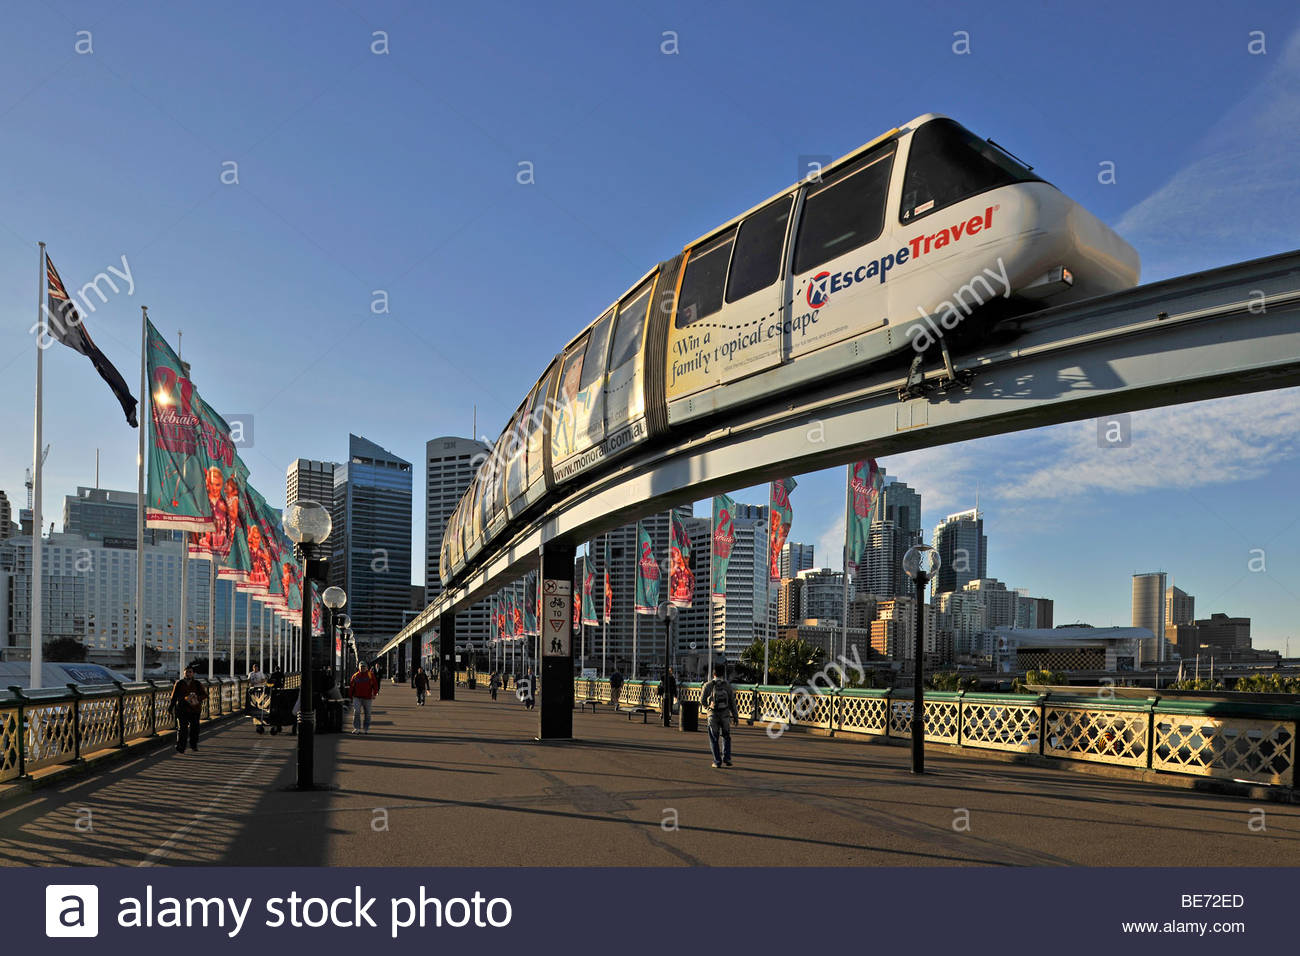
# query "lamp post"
(667, 613)
(308, 524)
(333, 598)
(343, 628)
(921, 564)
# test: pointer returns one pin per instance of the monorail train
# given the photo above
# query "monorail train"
(919, 243)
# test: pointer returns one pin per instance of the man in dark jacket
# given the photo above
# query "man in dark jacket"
(421, 682)
(719, 697)
(615, 687)
(187, 704)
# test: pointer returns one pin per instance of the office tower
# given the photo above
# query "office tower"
(822, 595)
(901, 504)
(6, 517)
(98, 514)
(371, 541)
(1149, 612)
(794, 557)
(893, 633)
(88, 589)
(963, 550)
(743, 618)
(999, 602)
(789, 611)
(1032, 612)
(966, 615)
(450, 465)
(1180, 607)
(308, 480)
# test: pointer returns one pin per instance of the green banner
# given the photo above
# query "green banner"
(780, 515)
(723, 536)
(865, 482)
(681, 576)
(647, 573)
(190, 452)
(530, 604)
(589, 593)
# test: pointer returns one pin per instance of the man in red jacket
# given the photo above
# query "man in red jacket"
(365, 688)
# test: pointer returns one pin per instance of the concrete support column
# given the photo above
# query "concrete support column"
(555, 702)
(447, 657)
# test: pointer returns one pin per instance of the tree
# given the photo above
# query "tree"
(65, 649)
(790, 660)
(152, 655)
(951, 680)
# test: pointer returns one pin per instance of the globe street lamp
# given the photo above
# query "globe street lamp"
(667, 613)
(333, 598)
(921, 564)
(308, 525)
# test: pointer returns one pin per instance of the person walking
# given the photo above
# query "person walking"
(365, 688)
(493, 683)
(528, 690)
(671, 681)
(187, 705)
(256, 678)
(615, 687)
(421, 684)
(718, 696)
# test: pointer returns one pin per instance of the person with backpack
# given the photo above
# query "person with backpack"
(718, 696)
(365, 688)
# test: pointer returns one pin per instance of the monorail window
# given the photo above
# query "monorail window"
(593, 365)
(844, 212)
(757, 262)
(537, 408)
(631, 322)
(706, 274)
(948, 163)
(571, 372)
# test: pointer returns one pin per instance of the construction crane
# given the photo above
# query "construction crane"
(29, 483)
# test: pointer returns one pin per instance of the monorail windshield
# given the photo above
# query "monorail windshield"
(948, 163)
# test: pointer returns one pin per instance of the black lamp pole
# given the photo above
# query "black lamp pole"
(667, 702)
(918, 692)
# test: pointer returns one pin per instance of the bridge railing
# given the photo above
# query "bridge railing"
(1231, 740)
(51, 726)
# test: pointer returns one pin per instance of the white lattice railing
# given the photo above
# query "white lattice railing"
(1242, 741)
(44, 728)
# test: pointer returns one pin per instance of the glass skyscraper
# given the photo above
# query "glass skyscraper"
(963, 550)
(371, 541)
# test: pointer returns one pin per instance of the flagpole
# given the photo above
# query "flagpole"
(212, 614)
(232, 628)
(140, 496)
(767, 584)
(248, 630)
(185, 610)
(708, 670)
(42, 324)
(636, 623)
(844, 623)
(604, 628)
(261, 638)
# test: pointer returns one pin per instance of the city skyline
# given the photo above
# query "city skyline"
(1072, 520)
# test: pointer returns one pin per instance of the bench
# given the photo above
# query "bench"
(582, 704)
(631, 712)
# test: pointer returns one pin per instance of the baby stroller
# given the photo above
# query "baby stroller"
(272, 707)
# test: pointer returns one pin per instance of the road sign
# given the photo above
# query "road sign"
(557, 618)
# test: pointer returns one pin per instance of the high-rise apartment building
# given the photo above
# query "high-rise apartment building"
(822, 596)
(999, 602)
(371, 541)
(963, 550)
(308, 480)
(450, 465)
(1180, 607)
(6, 517)
(788, 609)
(1032, 612)
(1149, 612)
(794, 557)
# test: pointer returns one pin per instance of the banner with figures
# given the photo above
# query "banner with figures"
(780, 515)
(530, 604)
(865, 482)
(256, 540)
(647, 573)
(589, 593)
(723, 538)
(681, 576)
(516, 616)
(190, 451)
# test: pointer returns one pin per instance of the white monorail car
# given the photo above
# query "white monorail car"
(910, 248)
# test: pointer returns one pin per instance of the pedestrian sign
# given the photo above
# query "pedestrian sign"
(557, 618)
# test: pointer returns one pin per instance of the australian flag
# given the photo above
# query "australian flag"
(65, 324)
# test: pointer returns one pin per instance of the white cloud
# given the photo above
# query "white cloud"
(1237, 199)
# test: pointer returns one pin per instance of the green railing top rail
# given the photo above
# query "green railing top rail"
(1216, 708)
(13, 695)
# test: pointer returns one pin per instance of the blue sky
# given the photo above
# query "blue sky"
(361, 172)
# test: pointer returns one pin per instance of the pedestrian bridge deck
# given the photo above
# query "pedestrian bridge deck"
(464, 783)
